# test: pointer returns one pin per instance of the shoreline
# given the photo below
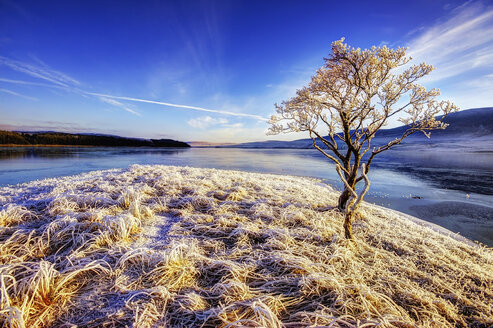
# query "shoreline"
(471, 220)
(435, 227)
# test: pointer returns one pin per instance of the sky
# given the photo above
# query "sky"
(212, 70)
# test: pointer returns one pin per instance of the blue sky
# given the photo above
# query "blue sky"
(212, 70)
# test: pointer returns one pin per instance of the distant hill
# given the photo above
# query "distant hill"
(69, 139)
(463, 125)
(476, 122)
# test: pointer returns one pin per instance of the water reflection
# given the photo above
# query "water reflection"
(7, 153)
(461, 179)
(34, 152)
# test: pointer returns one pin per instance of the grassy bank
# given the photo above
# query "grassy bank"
(173, 246)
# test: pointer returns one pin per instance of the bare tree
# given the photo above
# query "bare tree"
(348, 100)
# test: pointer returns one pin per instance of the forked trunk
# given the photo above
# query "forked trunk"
(343, 199)
(348, 217)
(348, 227)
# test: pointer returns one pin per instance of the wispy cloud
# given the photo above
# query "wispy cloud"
(223, 112)
(62, 81)
(41, 71)
(462, 42)
(205, 122)
(118, 104)
(29, 83)
(41, 125)
(17, 94)
(56, 79)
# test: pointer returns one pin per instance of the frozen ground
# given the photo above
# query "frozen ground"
(187, 247)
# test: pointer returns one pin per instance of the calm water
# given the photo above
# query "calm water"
(406, 181)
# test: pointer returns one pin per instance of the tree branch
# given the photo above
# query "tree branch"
(332, 158)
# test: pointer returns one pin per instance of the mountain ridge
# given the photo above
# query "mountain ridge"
(468, 123)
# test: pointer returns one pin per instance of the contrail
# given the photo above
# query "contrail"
(180, 106)
(17, 94)
(99, 95)
(118, 104)
(44, 72)
(31, 83)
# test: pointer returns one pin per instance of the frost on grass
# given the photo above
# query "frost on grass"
(185, 247)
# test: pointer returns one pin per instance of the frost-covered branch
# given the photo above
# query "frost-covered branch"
(353, 96)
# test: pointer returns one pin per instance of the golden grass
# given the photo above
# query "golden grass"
(182, 247)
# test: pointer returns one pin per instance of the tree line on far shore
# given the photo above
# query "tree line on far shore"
(69, 139)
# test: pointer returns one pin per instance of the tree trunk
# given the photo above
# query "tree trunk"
(348, 228)
(343, 199)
